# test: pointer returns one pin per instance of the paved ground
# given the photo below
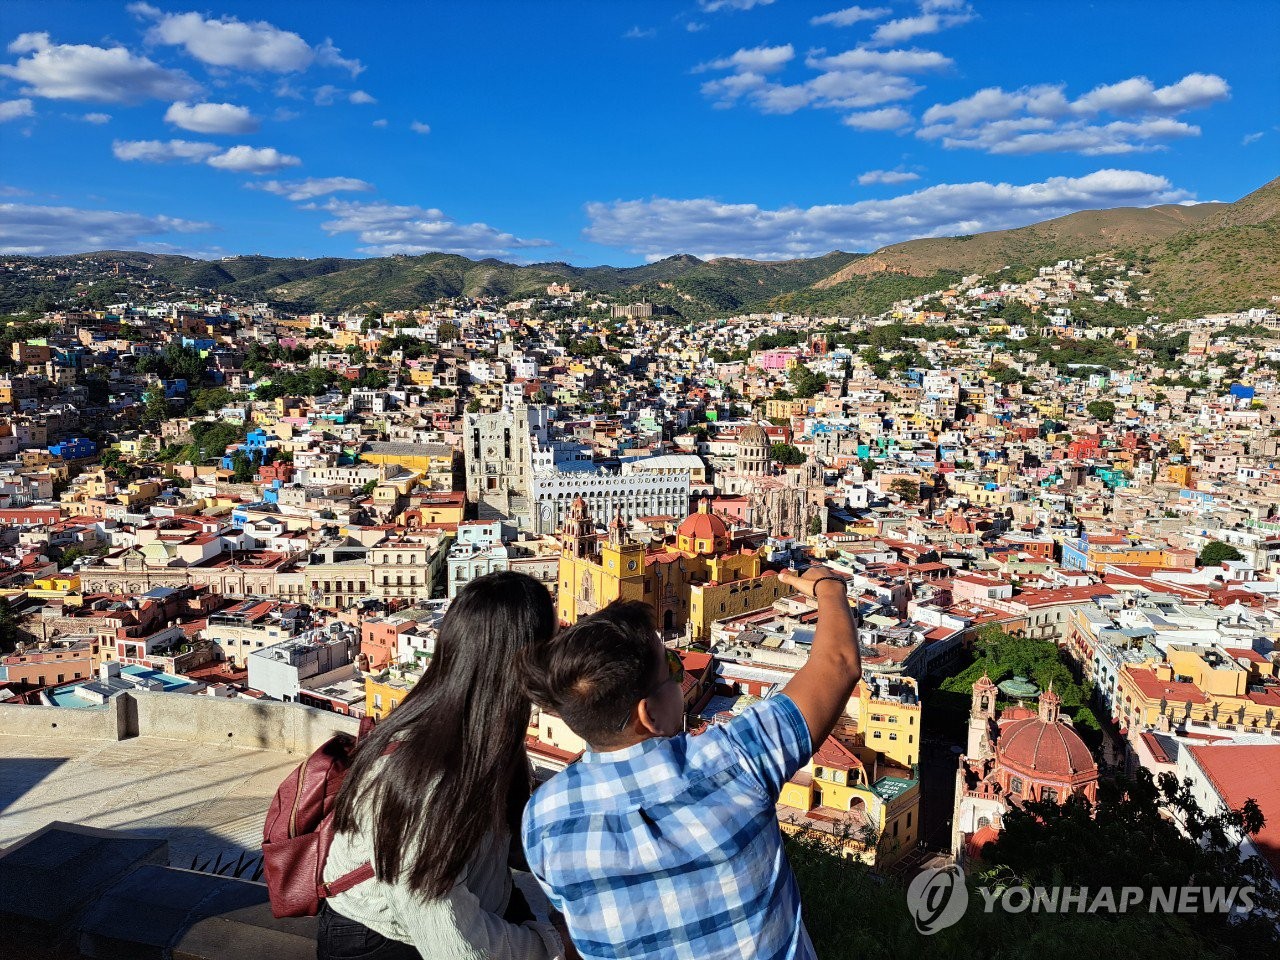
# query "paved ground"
(206, 800)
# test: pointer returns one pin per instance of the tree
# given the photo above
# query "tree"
(805, 382)
(473, 406)
(8, 626)
(906, 490)
(1216, 552)
(1101, 410)
(786, 454)
(243, 467)
(155, 409)
(1132, 839)
(111, 461)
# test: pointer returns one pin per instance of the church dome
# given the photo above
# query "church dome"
(703, 532)
(753, 435)
(1045, 750)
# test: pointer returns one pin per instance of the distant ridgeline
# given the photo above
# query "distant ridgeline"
(1197, 258)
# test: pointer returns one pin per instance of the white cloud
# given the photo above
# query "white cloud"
(849, 16)
(640, 33)
(1041, 119)
(419, 127)
(712, 6)
(934, 17)
(886, 177)
(244, 159)
(15, 110)
(385, 228)
(382, 122)
(1249, 138)
(327, 55)
(1140, 95)
(888, 118)
(97, 118)
(77, 71)
(913, 60)
(693, 26)
(163, 151)
(325, 95)
(837, 89)
(33, 230)
(211, 117)
(853, 80)
(661, 227)
(312, 187)
(228, 42)
(360, 97)
(753, 60)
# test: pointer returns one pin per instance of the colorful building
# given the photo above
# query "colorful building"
(689, 584)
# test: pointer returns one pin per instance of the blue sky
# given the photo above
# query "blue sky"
(615, 132)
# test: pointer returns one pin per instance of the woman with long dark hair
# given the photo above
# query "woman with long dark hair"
(435, 794)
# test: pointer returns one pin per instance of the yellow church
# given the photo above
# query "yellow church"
(697, 580)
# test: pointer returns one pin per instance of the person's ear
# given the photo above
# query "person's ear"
(646, 719)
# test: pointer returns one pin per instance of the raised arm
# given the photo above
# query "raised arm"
(821, 688)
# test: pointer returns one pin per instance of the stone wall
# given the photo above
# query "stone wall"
(238, 721)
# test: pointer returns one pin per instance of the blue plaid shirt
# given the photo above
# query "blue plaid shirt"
(671, 847)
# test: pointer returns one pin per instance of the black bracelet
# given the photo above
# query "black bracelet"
(840, 580)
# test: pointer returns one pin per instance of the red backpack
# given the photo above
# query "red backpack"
(299, 830)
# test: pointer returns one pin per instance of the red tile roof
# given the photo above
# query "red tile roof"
(1176, 691)
(1243, 771)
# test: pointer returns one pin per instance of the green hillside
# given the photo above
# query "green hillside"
(1200, 257)
(690, 285)
(1075, 235)
(1231, 261)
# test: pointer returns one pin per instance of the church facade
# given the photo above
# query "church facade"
(688, 584)
(1013, 757)
(786, 504)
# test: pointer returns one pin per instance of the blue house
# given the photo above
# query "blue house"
(74, 448)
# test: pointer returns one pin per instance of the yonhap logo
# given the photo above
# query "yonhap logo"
(937, 898)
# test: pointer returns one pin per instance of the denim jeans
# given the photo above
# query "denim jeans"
(341, 939)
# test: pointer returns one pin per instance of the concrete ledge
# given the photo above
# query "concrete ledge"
(258, 724)
(106, 722)
(261, 724)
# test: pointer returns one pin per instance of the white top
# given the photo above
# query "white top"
(465, 924)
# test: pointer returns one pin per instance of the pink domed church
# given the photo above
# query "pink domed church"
(1017, 756)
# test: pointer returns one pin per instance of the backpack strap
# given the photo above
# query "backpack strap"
(345, 882)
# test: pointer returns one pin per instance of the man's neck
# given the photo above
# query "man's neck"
(627, 741)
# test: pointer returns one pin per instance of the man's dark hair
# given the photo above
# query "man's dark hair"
(593, 673)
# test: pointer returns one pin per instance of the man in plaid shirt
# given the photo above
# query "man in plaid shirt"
(662, 844)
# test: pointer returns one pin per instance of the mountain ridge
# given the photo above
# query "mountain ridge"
(1200, 257)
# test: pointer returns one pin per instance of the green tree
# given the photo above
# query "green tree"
(805, 382)
(1216, 552)
(155, 407)
(786, 454)
(8, 626)
(907, 490)
(1132, 838)
(1101, 410)
(243, 467)
(111, 460)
